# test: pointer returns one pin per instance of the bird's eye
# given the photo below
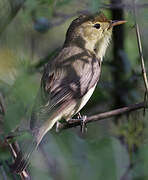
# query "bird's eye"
(97, 26)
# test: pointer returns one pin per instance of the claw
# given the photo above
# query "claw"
(79, 116)
(83, 124)
(57, 126)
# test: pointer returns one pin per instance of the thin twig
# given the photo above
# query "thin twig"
(14, 149)
(140, 49)
(13, 146)
(94, 118)
(101, 116)
(141, 57)
(140, 53)
(73, 123)
(145, 99)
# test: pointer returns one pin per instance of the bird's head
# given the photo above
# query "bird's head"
(92, 32)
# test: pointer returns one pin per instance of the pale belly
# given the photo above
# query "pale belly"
(67, 113)
(86, 97)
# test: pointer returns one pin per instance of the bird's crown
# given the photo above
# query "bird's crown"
(98, 17)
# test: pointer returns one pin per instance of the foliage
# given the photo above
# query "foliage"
(107, 150)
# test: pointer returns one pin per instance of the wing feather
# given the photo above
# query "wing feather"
(63, 81)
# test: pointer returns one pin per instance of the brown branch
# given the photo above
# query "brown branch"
(105, 115)
(13, 146)
(73, 123)
(14, 150)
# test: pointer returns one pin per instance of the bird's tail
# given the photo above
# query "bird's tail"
(23, 156)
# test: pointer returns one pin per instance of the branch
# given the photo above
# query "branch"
(13, 147)
(140, 48)
(14, 150)
(76, 122)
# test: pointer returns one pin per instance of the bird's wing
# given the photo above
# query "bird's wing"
(64, 81)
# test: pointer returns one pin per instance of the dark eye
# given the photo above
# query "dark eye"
(97, 26)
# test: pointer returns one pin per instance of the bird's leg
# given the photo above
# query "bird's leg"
(83, 122)
(79, 117)
(59, 123)
(58, 126)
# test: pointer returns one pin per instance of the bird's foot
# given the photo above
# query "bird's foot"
(82, 119)
(58, 126)
(79, 116)
(83, 122)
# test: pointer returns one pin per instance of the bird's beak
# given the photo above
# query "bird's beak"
(116, 23)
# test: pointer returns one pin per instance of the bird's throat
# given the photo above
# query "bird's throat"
(101, 47)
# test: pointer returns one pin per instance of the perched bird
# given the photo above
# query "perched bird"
(69, 79)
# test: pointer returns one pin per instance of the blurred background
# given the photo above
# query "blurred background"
(31, 32)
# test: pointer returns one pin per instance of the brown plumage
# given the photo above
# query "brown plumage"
(68, 80)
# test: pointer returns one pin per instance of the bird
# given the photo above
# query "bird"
(69, 79)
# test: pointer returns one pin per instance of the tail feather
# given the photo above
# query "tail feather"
(32, 143)
(23, 156)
